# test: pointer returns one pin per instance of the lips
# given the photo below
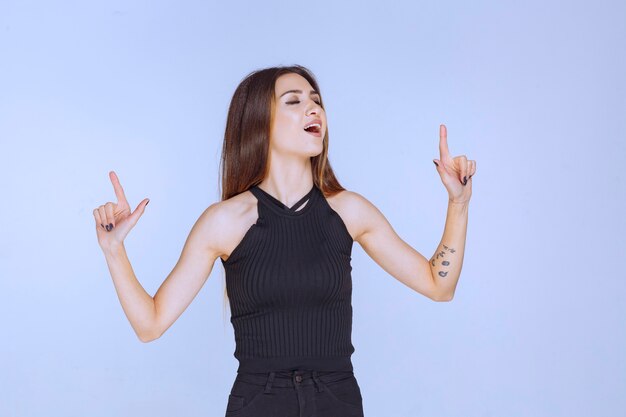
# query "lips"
(317, 132)
(315, 129)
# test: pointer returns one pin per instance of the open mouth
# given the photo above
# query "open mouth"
(314, 130)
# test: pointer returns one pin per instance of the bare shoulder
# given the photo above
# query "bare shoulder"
(354, 209)
(227, 222)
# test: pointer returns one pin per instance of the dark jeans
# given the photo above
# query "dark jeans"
(297, 393)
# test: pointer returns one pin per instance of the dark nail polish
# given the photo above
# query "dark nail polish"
(107, 227)
(102, 225)
(111, 226)
(464, 180)
(435, 163)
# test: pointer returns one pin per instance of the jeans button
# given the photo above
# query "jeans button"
(298, 378)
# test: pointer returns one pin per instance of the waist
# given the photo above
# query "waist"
(342, 363)
(289, 378)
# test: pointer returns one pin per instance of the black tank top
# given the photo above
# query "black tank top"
(289, 286)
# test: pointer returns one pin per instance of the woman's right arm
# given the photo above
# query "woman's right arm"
(151, 316)
(137, 304)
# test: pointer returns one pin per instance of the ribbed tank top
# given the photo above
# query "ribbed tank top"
(289, 286)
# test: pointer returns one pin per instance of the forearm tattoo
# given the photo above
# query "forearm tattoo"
(442, 254)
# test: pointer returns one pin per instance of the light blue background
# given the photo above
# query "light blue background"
(533, 91)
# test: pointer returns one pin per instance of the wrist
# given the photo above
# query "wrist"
(451, 201)
(458, 207)
(114, 248)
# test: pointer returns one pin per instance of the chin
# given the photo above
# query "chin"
(316, 152)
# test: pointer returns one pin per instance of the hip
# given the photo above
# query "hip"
(295, 393)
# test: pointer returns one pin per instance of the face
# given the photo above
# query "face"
(292, 112)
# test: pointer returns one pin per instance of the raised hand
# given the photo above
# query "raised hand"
(114, 220)
(456, 173)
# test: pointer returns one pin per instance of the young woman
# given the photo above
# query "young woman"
(284, 231)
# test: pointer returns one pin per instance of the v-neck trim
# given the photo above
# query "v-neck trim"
(280, 208)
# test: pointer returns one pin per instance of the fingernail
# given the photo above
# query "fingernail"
(148, 202)
(107, 227)
(111, 226)
(464, 180)
(102, 225)
(435, 163)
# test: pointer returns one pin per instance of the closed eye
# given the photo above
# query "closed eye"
(297, 101)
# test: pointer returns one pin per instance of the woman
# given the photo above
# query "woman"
(284, 231)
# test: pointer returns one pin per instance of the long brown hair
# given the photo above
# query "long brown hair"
(247, 138)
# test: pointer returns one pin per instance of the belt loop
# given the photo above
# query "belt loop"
(320, 386)
(270, 380)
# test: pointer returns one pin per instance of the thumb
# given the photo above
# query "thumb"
(441, 168)
(141, 207)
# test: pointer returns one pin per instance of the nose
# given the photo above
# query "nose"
(314, 107)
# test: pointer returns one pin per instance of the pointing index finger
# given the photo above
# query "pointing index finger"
(443, 142)
(119, 191)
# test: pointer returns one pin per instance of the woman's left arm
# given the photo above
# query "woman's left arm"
(456, 175)
(447, 261)
(435, 278)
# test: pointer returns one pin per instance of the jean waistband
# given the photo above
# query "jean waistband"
(292, 378)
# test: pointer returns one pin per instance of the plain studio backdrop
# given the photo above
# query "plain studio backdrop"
(533, 91)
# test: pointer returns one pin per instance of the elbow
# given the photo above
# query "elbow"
(442, 297)
(149, 331)
(440, 294)
(147, 339)
(147, 336)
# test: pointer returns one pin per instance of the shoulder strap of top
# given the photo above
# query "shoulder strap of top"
(270, 199)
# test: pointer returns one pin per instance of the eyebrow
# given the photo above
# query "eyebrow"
(299, 92)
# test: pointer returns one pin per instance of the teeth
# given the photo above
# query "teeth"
(313, 124)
